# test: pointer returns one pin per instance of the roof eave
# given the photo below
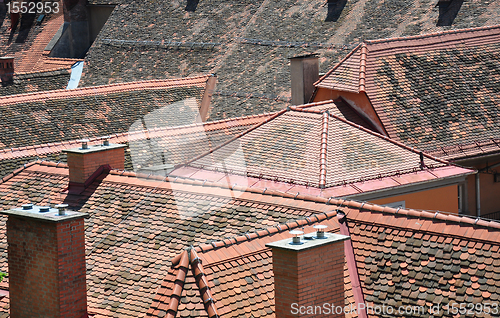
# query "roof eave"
(411, 187)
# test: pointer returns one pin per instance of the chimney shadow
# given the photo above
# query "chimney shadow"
(448, 10)
(335, 8)
(27, 20)
(192, 5)
(77, 198)
(3, 12)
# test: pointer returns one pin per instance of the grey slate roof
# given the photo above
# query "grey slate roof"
(61, 115)
(247, 42)
(36, 82)
(436, 92)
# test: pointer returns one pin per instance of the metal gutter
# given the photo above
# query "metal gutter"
(409, 188)
(357, 291)
(478, 195)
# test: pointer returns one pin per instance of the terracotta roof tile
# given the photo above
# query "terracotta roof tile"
(27, 45)
(396, 263)
(37, 81)
(410, 82)
(303, 150)
(132, 219)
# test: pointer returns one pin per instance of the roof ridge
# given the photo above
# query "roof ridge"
(22, 149)
(313, 104)
(65, 59)
(395, 40)
(17, 171)
(202, 284)
(434, 34)
(180, 279)
(301, 197)
(279, 228)
(336, 66)
(323, 151)
(340, 203)
(104, 89)
(188, 259)
(41, 72)
(362, 67)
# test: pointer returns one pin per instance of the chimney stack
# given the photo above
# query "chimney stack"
(87, 162)
(6, 70)
(309, 275)
(304, 72)
(46, 256)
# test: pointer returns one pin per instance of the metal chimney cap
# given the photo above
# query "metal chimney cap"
(296, 238)
(320, 234)
(84, 143)
(44, 209)
(287, 245)
(105, 140)
(27, 206)
(62, 208)
(320, 227)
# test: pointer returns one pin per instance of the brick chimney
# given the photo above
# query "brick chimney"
(88, 162)
(304, 72)
(6, 70)
(309, 275)
(46, 256)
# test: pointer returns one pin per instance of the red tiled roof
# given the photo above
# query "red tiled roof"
(43, 149)
(199, 81)
(248, 43)
(398, 252)
(434, 91)
(178, 144)
(37, 81)
(309, 149)
(138, 224)
(30, 56)
(134, 217)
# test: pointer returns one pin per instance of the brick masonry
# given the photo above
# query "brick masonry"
(310, 277)
(47, 273)
(82, 166)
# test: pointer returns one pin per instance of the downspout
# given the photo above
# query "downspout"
(359, 298)
(478, 196)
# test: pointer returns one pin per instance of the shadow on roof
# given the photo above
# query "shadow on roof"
(335, 8)
(448, 11)
(3, 12)
(27, 20)
(191, 5)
